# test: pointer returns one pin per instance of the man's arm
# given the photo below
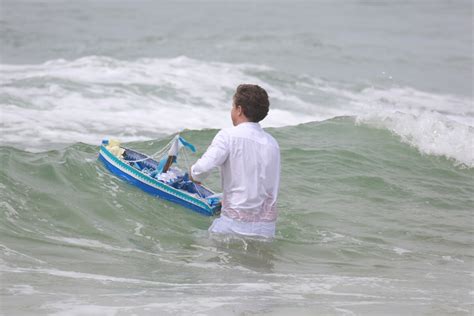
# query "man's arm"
(214, 157)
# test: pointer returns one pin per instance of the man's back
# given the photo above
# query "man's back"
(250, 174)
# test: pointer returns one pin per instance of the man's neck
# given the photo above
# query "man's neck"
(241, 121)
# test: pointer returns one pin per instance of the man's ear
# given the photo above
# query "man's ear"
(240, 111)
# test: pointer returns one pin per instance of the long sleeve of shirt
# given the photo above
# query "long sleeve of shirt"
(214, 157)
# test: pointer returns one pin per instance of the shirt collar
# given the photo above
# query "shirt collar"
(250, 125)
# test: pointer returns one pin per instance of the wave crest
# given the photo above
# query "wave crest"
(94, 97)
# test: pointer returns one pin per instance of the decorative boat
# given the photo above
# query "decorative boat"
(158, 177)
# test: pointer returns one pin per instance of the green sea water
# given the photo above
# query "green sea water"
(367, 224)
(371, 103)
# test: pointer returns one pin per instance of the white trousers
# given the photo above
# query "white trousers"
(225, 225)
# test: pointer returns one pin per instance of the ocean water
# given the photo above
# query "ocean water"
(371, 103)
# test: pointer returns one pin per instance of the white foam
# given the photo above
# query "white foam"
(295, 287)
(22, 289)
(452, 259)
(138, 230)
(400, 251)
(329, 236)
(435, 124)
(92, 98)
(89, 243)
(78, 309)
(10, 252)
(10, 212)
(84, 276)
(430, 132)
(183, 307)
(95, 97)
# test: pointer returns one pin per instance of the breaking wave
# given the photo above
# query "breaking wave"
(63, 102)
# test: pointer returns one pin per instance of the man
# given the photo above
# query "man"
(249, 160)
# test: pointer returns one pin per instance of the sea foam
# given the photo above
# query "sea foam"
(434, 124)
(94, 97)
(89, 98)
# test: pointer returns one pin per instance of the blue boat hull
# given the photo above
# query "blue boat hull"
(152, 186)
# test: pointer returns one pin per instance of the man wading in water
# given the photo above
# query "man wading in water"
(249, 161)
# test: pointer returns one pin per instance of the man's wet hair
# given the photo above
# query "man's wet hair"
(254, 101)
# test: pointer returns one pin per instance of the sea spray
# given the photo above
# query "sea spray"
(55, 102)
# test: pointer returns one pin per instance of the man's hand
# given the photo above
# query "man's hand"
(191, 178)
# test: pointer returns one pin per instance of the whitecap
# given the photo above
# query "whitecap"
(400, 251)
(151, 97)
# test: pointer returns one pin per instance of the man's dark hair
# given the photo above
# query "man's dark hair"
(254, 101)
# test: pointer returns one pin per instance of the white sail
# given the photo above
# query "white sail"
(175, 147)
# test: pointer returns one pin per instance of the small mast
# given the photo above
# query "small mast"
(168, 163)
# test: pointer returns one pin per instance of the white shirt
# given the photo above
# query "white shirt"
(249, 160)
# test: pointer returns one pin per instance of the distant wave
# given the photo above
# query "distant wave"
(94, 97)
(88, 98)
